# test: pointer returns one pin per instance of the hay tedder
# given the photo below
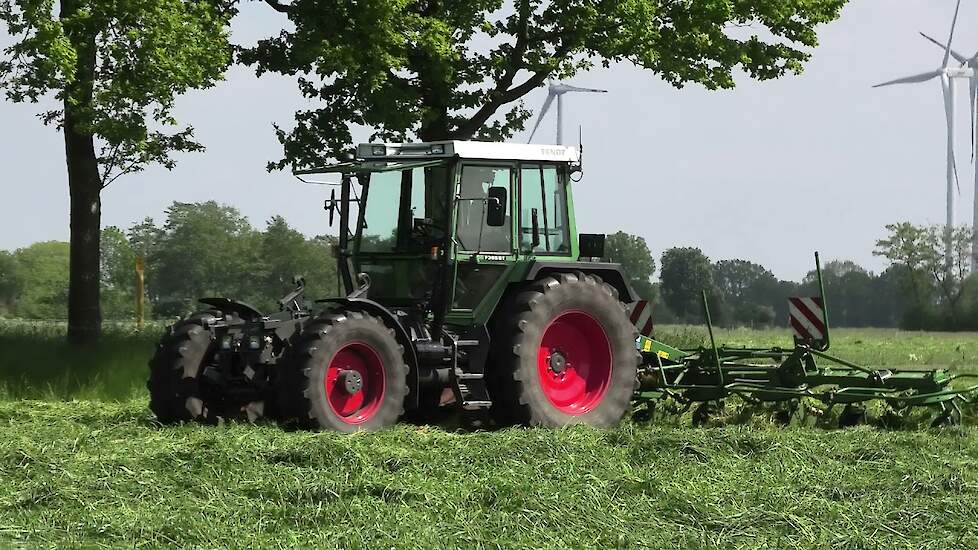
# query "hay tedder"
(465, 283)
(803, 375)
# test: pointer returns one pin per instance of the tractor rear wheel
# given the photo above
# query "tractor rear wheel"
(564, 354)
(346, 373)
(175, 390)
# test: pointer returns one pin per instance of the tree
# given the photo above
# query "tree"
(44, 267)
(686, 273)
(114, 70)
(287, 253)
(205, 249)
(458, 70)
(750, 293)
(930, 277)
(850, 293)
(118, 275)
(632, 252)
(10, 281)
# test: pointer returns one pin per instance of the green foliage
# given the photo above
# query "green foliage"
(286, 253)
(932, 277)
(632, 252)
(750, 293)
(44, 280)
(458, 70)
(118, 275)
(856, 297)
(209, 249)
(11, 281)
(119, 66)
(205, 249)
(686, 273)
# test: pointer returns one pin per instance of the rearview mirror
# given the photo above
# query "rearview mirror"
(330, 206)
(496, 210)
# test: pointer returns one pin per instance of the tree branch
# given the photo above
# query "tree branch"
(279, 7)
(519, 49)
(499, 98)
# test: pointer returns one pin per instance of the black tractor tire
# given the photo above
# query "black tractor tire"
(573, 310)
(329, 348)
(175, 393)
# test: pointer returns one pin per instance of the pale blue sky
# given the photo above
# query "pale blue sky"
(768, 172)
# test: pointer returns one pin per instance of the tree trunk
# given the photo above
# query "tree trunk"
(85, 188)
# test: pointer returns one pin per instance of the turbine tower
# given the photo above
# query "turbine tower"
(558, 89)
(970, 63)
(947, 74)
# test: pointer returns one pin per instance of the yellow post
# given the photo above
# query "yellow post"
(140, 292)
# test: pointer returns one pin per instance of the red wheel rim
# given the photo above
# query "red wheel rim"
(574, 363)
(355, 383)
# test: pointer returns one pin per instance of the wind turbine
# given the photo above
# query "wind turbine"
(972, 64)
(946, 73)
(558, 89)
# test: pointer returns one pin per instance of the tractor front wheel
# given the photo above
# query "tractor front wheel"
(346, 374)
(565, 354)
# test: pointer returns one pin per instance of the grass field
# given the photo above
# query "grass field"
(83, 464)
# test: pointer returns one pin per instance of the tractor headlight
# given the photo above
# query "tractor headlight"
(379, 150)
(253, 343)
(437, 150)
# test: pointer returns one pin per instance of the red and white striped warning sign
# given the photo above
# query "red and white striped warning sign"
(807, 318)
(640, 313)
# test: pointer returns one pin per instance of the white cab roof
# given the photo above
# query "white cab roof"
(468, 149)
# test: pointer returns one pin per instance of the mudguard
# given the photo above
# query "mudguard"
(227, 305)
(609, 273)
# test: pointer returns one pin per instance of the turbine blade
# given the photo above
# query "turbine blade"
(570, 88)
(922, 77)
(950, 38)
(957, 56)
(973, 100)
(954, 163)
(543, 112)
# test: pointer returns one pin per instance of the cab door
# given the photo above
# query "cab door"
(484, 252)
(544, 224)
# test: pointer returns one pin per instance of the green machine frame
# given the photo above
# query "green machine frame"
(708, 375)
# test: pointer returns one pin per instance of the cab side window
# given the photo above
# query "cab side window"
(473, 231)
(543, 204)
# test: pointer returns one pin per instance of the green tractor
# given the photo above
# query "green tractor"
(462, 270)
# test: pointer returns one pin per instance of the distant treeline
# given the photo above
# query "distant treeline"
(209, 249)
(743, 293)
(202, 249)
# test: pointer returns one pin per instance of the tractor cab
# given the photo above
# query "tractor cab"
(445, 227)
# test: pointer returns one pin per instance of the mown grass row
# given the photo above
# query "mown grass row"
(102, 474)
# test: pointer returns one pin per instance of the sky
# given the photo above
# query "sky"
(768, 172)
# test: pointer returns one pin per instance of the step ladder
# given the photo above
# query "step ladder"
(468, 374)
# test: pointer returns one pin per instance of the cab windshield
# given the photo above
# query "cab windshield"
(402, 212)
(402, 209)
